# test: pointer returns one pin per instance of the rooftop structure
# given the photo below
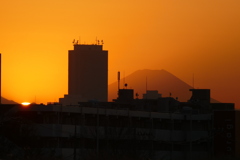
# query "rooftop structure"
(87, 74)
(161, 128)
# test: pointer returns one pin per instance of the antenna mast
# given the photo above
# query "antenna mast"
(118, 80)
(193, 80)
(123, 78)
(146, 84)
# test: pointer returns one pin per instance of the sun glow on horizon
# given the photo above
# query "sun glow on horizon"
(25, 103)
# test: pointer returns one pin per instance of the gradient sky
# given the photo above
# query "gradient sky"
(184, 37)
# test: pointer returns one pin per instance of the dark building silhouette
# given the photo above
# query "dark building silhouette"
(225, 130)
(156, 128)
(84, 126)
(87, 74)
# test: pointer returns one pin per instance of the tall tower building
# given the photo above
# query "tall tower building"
(87, 74)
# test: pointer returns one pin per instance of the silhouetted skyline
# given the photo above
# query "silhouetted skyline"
(182, 37)
(161, 80)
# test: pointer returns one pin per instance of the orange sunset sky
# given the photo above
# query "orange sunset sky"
(184, 37)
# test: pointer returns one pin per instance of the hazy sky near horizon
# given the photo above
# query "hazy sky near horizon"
(184, 37)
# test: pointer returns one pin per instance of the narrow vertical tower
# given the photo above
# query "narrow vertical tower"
(88, 72)
(118, 80)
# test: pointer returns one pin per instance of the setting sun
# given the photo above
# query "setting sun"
(25, 103)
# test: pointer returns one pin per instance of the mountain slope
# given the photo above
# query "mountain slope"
(160, 80)
(6, 101)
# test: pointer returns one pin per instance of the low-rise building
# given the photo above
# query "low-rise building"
(128, 128)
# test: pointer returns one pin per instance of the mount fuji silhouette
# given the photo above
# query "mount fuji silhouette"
(6, 101)
(166, 83)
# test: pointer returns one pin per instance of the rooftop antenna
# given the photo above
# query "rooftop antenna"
(137, 95)
(118, 80)
(102, 42)
(146, 84)
(73, 41)
(193, 81)
(126, 85)
(146, 88)
(123, 78)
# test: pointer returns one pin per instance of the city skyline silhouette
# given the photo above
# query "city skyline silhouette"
(199, 38)
(124, 80)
